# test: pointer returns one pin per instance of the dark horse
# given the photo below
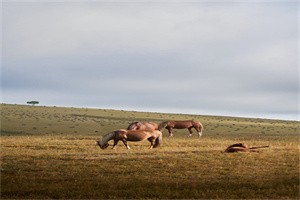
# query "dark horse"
(154, 137)
(143, 126)
(189, 124)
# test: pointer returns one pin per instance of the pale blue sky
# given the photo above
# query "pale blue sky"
(232, 58)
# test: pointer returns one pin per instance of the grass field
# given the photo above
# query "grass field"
(50, 152)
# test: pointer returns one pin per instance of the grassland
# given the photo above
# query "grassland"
(50, 152)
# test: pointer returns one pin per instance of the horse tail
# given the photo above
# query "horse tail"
(162, 125)
(201, 128)
(158, 140)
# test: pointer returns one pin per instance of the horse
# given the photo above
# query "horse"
(143, 126)
(242, 147)
(189, 124)
(153, 136)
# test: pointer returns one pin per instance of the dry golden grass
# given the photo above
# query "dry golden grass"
(54, 161)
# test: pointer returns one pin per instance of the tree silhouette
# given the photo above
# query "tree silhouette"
(33, 102)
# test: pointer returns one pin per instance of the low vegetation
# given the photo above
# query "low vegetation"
(50, 152)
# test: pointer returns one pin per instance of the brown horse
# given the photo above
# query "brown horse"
(143, 126)
(154, 137)
(241, 147)
(189, 124)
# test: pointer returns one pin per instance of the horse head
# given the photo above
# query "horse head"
(133, 126)
(102, 145)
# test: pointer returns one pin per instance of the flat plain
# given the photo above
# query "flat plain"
(50, 152)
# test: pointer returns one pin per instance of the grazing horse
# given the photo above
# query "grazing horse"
(154, 137)
(143, 126)
(189, 124)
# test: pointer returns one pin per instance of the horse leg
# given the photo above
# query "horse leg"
(152, 141)
(190, 130)
(125, 143)
(170, 132)
(115, 143)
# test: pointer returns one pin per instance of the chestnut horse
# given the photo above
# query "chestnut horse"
(189, 124)
(143, 126)
(154, 137)
(241, 147)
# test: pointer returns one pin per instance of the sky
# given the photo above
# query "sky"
(230, 58)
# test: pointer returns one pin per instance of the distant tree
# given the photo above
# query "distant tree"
(33, 102)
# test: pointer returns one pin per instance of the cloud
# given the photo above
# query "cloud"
(186, 56)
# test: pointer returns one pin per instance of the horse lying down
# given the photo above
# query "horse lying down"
(153, 136)
(241, 147)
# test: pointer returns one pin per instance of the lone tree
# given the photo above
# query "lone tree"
(33, 102)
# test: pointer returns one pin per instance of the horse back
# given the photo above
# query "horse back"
(154, 125)
(143, 126)
(139, 135)
(182, 124)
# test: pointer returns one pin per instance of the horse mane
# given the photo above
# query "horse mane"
(162, 125)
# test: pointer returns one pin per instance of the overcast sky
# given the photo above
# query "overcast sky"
(235, 58)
